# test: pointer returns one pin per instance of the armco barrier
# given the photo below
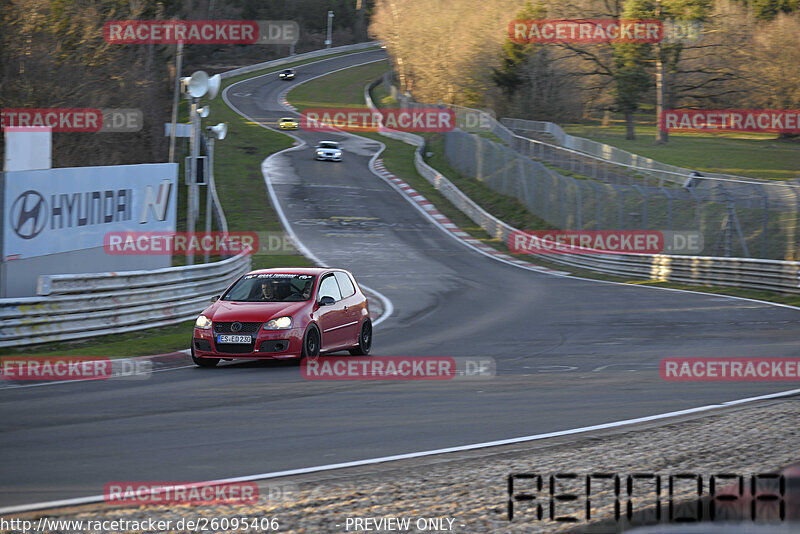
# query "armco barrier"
(612, 154)
(78, 306)
(299, 57)
(493, 226)
(761, 274)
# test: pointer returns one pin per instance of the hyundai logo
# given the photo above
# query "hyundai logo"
(28, 214)
(235, 327)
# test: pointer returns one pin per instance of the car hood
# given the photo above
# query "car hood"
(329, 150)
(252, 311)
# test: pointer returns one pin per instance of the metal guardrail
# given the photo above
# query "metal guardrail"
(613, 154)
(77, 306)
(492, 225)
(299, 57)
(760, 274)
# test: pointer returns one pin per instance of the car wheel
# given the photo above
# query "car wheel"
(364, 340)
(311, 343)
(204, 362)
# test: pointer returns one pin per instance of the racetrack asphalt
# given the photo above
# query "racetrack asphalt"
(569, 352)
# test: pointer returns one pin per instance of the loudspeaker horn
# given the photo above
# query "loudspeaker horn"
(220, 130)
(198, 84)
(214, 84)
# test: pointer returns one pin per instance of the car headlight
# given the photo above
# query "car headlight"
(279, 323)
(338, 153)
(203, 323)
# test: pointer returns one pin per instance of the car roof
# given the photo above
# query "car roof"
(288, 119)
(298, 270)
(334, 142)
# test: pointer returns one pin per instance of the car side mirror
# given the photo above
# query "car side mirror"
(326, 301)
(214, 299)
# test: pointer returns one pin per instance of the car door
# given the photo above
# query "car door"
(353, 307)
(333, 317)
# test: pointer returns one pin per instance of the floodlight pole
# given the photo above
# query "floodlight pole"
(209, 185)
(175, 98)
(191, 212)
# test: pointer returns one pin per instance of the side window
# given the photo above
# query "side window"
(345, 284)
(329, 288)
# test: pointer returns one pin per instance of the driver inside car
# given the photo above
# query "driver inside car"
(266, 291)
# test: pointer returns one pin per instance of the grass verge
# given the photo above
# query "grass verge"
(744, 154)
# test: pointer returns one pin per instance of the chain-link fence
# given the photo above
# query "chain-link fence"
(592, 186)
(742, 219)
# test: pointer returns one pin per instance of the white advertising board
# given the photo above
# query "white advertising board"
(68, 209)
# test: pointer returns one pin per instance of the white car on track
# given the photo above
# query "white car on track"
(328, 150)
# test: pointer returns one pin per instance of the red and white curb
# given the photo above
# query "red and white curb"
(441, 220)
(285, 103)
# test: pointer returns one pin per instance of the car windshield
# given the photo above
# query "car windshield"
(271, 287)
(287, 120)
(328, 144)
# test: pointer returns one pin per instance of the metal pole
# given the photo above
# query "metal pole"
(175, 98)
(192, 187)
(3, 273)
(330, 22)
(209, 185)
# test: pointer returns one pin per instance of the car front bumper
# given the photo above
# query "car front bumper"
(268, 344)
(328, 157)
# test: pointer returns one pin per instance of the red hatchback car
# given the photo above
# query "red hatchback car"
(284, 314)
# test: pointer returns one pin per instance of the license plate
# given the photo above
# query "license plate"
(233, 339)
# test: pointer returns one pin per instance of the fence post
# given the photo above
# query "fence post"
(644, 205)
(669, 206)
(619, 207)
(764, 218)
(698, 209)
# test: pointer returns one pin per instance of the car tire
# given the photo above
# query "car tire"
(311, 343)
(204, 362)
(364, 340)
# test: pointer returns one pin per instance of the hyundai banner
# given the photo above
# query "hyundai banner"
(60, 210)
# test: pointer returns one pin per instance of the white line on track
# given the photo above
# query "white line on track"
(62, 382)
(408, 456)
